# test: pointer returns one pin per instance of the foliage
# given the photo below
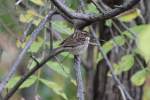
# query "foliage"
(139, 77)
(124, 65)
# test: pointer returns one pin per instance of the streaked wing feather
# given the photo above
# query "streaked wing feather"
(72, 43)
(73, 40)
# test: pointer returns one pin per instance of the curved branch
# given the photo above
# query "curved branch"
(89, 19)
(73, 15)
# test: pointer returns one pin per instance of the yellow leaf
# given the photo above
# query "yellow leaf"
(129, 15)
(22, 44)
(74, 82)
(36, 21)
(29, 16)
(38, 2)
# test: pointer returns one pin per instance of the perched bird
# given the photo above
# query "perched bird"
(76, 43)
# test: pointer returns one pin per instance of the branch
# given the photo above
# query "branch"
(33, 70)
(64, 9)
(89, 19)
(112, 13)
(80, 86)
(23, 52)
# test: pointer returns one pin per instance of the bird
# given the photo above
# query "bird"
(76, 43)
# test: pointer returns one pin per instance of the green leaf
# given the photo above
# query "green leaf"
(61, 27)
(108, 46)
(109, 22)
(117, 69)
(74, 82)
(126, 62)
(129, 15)
(143, 39)
(55, 87)
(36, 45)
(59, 68)
(143, 43)
(72, 3)
(26, 84)
(91, 9)
(139, 78)
(139, 29)
(119, 40)
(66, 55)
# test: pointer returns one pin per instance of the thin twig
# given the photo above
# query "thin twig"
(122, 93)
(126, 28)
(82, 5)
(80, 86)
(34, 59)
(50, 36)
